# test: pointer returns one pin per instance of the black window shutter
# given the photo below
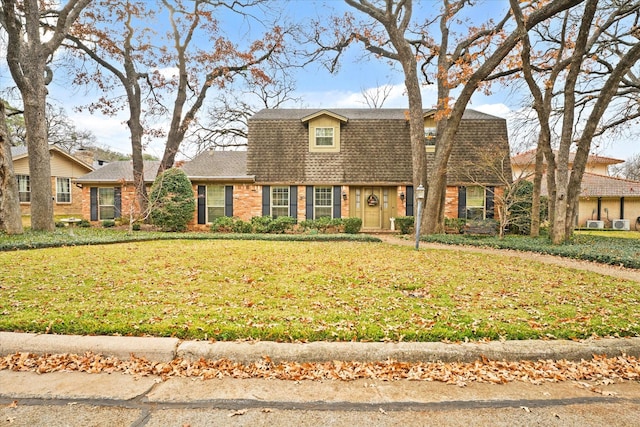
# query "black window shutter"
(309, 202)
(93, 199)
(228, 200)
(489, 203)
(337, 204)
(266, 200)
(202, 204)
(409, 200)
(293, 201)
(117, 201)
(462, 202)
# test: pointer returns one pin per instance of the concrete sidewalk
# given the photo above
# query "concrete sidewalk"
(167, 349)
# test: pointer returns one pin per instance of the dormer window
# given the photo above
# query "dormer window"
(430, 135)
(324, 137)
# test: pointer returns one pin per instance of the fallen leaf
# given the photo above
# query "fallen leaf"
(525, 409)
(13, 404)
(239, 412)
(382, 411)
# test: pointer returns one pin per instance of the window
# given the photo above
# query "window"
(475, 203)
(324, 137)
(63, 190)
(322, 202)
(215, 202)
(106, 203)
(24, 188)
(279, 201)
(430, 135)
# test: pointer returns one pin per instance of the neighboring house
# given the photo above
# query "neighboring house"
(604, 202)
(108, 192)
(67, 198)
(335, 163)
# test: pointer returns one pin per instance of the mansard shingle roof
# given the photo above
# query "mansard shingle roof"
(375, 149)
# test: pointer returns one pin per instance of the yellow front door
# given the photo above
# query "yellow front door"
(372, 208)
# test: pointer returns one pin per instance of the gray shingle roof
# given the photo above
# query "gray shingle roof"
(218, 165)
(121, 170)
(18, 151)
(375, 149)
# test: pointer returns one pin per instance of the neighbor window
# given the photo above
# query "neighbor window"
(324, 137)
(215, 202)
(475, 203)
(279, 201)
(63, 190)
(430, 135)
(24, 188)
(322, 202)
(106, 203)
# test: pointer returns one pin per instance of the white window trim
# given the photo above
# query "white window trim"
(27, 178)
(315, 202)
(59, 192)
(208, 205)
(273, 190)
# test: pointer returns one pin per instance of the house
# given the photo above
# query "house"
(337, 163)
(108, 192)
(605, 201)
(67, 198)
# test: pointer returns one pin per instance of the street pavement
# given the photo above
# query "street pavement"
(82, 399)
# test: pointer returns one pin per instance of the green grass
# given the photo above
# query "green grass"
(287, 291)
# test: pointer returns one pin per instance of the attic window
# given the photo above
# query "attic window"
(324, 137)
(430, 135)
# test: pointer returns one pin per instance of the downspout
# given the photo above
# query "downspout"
(621, 207)
(599, 208)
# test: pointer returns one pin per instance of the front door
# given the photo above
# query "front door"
(372, 208)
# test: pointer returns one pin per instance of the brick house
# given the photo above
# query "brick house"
(65, 168)
(605, 201)
(339, 163)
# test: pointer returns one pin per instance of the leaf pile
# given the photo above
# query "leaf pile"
(599, 368)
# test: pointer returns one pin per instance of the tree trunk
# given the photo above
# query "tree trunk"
(39, 157)
(10, 217)
(537, 191)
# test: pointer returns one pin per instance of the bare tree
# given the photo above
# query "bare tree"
(28, 56)
(591, 78)
(629, 169)
(376, 97)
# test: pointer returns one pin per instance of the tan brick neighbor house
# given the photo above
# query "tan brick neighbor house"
(605, 201)
(307, 164)
(65, 168)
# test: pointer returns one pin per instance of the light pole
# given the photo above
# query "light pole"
(419, 198)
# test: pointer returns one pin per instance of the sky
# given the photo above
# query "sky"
(320, 89)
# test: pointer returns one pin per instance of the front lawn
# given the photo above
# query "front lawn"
(287, 291)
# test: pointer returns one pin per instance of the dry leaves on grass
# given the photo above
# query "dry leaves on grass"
(599, 368)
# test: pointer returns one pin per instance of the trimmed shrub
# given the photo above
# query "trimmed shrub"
(405, 224)
(352, 225)
(223, 224)
(84, 224)
(281, 224)
(172, 201)
(108, 223)
(243, 227)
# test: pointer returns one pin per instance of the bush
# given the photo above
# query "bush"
(84, 224)
(223, 224)
(454, 225)
(281, 224)
(322, 225)
(136, 227)
(405, 224)
(108, 223)
(59, 224)
(352, 225)
(172, 201)
(241, 226)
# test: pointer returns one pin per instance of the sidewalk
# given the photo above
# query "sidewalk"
(167, 349)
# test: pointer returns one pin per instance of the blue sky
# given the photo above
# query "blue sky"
(320, 89)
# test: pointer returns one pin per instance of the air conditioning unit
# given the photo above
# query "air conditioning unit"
(595, 224)
(621, 224)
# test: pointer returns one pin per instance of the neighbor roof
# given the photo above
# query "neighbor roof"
(594, 185)
(529, 158)
(22, 151)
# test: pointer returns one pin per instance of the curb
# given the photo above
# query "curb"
(167, 349)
